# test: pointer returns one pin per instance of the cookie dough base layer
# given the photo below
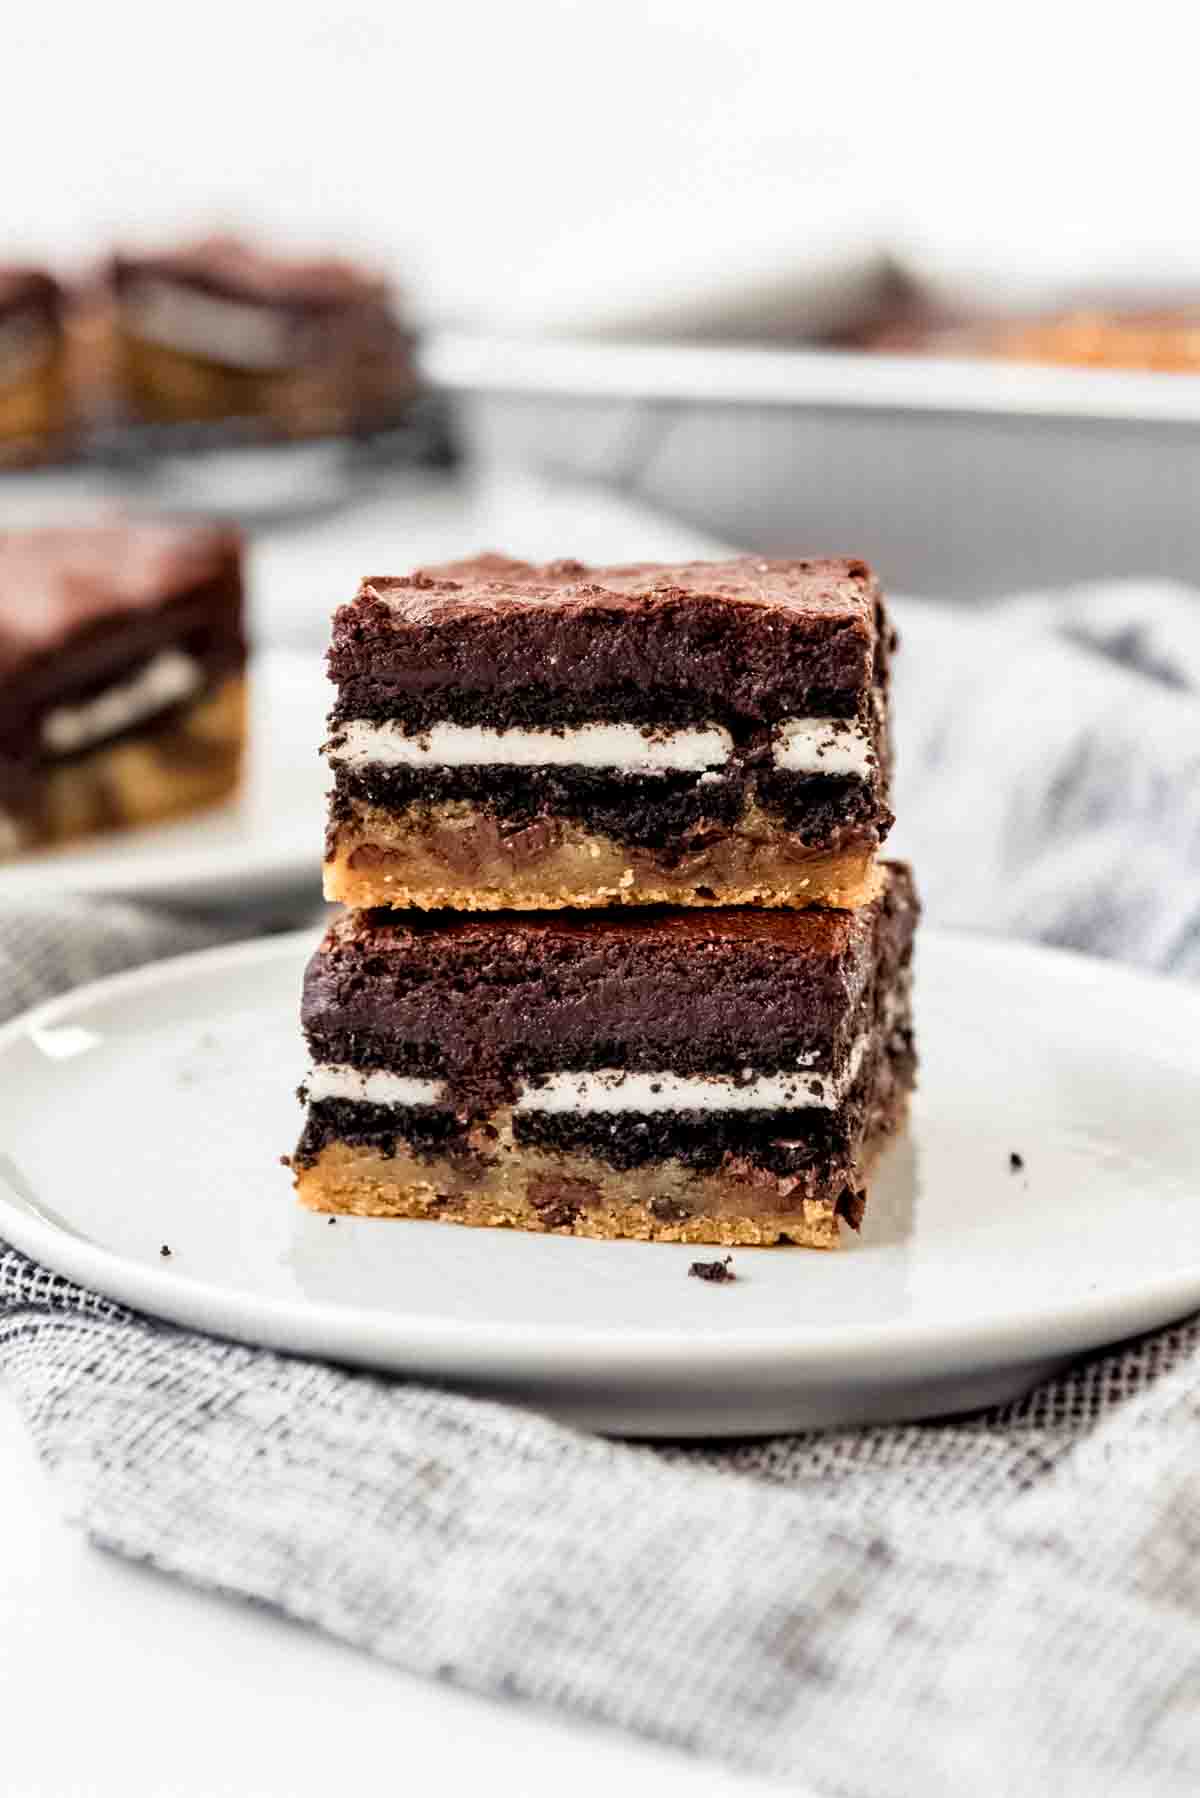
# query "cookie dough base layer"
(165, 386)
(32, 412)
(185, 762)
(456, 857)
(577, 1195)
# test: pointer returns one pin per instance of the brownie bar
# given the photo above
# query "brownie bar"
(1164, 338)
(122, 692)
(700, 1076)
(33, 411)
(512, 736)
(221, 330)
(1092, 334)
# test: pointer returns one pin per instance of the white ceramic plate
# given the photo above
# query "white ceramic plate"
(264, 843)
(969, 1280)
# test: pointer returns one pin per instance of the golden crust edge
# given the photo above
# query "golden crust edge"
(348, 886)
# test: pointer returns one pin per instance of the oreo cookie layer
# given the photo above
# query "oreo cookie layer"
(663, 812)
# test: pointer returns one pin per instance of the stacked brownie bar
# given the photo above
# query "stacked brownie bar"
(714, 734)
(623, 960)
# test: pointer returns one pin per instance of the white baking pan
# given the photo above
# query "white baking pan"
(954, 477)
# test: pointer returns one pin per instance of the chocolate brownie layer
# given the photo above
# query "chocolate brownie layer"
(702, 1075)
(485, 1000)
(503, 734)
(500, 642)
(121, 692)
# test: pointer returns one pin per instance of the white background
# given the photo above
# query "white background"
(117, 1683)
(481, 147)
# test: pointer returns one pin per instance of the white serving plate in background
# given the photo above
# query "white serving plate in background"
(969, 1281)
(954, 477)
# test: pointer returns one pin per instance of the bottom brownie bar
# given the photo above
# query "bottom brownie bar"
(720, 1076)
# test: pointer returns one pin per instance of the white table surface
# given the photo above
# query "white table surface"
(116, 1682)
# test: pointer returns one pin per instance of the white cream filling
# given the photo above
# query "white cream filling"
(802, 746)
(824, 746)
(623, 746)
(373, 1086)
(235, 332)
(612, 1089)
(170, 677)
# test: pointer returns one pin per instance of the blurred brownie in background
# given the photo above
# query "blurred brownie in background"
(1114, 335)
(1163, 338)
(33, 396)
(221, 330)
(122, 689)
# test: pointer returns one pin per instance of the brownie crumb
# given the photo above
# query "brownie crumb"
(331, 1220)
(1016, 1162)
(285, 1161)
(851, 1205)
(165, 1252)
(668, 1211)
(717, 1271)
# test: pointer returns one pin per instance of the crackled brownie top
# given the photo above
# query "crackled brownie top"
(496, 640)
(694, 991)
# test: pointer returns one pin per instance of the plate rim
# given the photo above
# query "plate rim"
(895, 1350)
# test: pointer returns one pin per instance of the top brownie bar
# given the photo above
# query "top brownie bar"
(522, 736)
